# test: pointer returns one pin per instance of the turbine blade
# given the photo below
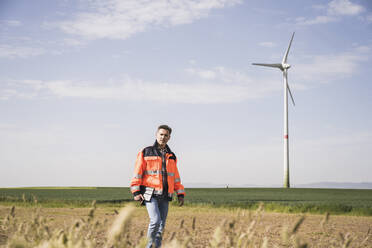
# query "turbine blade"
(270, 65)
(289, 90)
(284, 61)
(290, 93)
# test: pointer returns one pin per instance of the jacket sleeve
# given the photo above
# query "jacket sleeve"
(138, 174)
(178, 187)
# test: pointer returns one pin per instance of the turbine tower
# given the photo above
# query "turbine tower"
(284, 68)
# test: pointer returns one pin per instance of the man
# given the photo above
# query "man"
(155, 180)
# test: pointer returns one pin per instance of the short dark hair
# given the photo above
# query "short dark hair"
(166, 127)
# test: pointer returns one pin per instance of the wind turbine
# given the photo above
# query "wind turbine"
(284, 68)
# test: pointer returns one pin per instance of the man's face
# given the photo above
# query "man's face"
(162, 136)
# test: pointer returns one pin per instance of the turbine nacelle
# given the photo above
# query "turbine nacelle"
(285, 66)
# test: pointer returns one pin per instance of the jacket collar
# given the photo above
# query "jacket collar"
(156, 145)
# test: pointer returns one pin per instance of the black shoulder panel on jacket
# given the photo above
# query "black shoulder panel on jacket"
(150, 151)
(173, 156)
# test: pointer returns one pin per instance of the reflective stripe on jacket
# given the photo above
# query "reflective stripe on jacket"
(147, 172)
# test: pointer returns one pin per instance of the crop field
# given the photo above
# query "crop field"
(188, 226)
(250, 217)
(334, 201)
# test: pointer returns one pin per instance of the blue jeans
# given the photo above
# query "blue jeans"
(157, 209)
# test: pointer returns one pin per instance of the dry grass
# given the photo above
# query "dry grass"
(186, 227)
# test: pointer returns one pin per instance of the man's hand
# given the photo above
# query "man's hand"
(139, 198)
(180, 200)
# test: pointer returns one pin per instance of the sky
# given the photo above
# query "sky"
(84, 85)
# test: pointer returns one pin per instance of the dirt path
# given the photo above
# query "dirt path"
(180, 221)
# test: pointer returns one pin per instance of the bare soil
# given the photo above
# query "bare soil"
(179, 224)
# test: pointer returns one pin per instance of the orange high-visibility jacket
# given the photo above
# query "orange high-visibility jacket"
(148, 172)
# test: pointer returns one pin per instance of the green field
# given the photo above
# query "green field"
(334, 201)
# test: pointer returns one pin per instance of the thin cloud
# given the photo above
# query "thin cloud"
(138, 90)
(316, 20)
(319, 7)
(9, 51)
(116, 19)
(12, 23)
(206, 86)
(192, 62)
(25, 89)
(222, 75)
(336, 9)
(267, 44)
(344, 7)
(329, 68)
(228, 86)
(205, 74)
(73, 42)
(6, 94)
